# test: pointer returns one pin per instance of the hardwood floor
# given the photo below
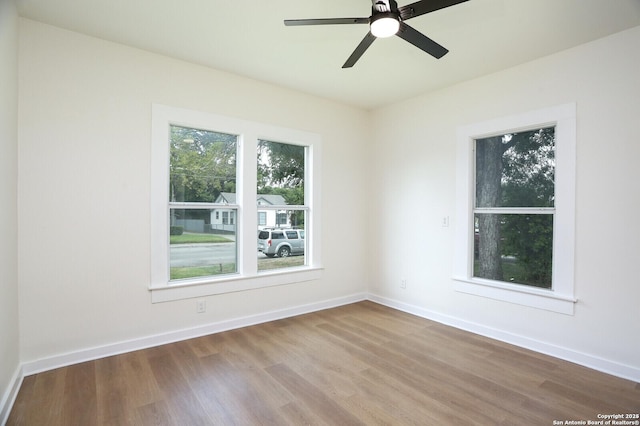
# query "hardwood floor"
(357, 364)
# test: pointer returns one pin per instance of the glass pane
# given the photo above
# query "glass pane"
(514, 248)
(285, 246)
(516, 169)
(281, 174)
(202, 166)
(281, 178)
(201, 243)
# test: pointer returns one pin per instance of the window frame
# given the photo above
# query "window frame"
(246, 218)
(561, 297)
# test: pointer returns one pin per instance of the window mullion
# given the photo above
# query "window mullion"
(179, 205)
(514, 210)
(284, 207)
(247, 176)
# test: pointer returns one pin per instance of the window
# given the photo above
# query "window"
(281, 218)
(515, 218)
(514, 207)
(262, 218)
(204, 214)
(281, 171)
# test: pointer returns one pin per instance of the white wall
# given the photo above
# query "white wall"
(84, 148)
(416, 188)
(9, 349)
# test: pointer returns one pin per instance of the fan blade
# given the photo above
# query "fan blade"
(364, 45)
(421, 41)
(425, 6)
(327, 21)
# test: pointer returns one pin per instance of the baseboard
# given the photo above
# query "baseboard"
(10, 395)
(600, 364)
(90, 354)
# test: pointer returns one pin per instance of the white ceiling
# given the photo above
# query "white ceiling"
(248, 37)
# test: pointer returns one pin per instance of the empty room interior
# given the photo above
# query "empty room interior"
(209, 217)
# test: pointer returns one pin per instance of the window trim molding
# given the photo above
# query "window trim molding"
(247, 277)
(561, 297)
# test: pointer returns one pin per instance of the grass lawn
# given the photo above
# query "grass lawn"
(178, 273)
(514, 272)
(277, 262)
(198, 238)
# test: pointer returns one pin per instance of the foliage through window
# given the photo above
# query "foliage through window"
(514, 207)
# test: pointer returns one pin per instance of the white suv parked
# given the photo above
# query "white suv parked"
(281, 242)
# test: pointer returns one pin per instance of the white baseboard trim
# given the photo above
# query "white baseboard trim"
(62, 360)
(600, 364)
(10, 395)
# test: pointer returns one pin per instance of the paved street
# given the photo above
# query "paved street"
(202, 254)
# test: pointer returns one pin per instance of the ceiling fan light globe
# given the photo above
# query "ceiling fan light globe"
(385, 26)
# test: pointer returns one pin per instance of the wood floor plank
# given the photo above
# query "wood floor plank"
(154, 414)
(111, 392)
(50, 392)
(263, 386)
(379, 413)
(486, 389)
(371, 332)
(598, 386)
(400, 366)
(319, 351)
(424, 407)
(577, 399)
(80, 405)
(141, 386)
(306, 393)
(236, 394)
(362, 363)
(23, 403)
(297, 414)
(181, 401)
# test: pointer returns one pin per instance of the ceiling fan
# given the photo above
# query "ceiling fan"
(386, 20)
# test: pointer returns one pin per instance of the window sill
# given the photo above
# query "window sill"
(518, 294)
(231, 284)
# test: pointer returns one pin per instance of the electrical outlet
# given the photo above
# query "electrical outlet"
(403, 284)
(445, 221)
(201, 306)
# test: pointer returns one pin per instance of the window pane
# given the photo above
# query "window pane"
(281, 174)
(284, 247)
(281, 179)
(202, 166)
(262, 219)
(516, 169)
(200, 244)
(515, 248)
